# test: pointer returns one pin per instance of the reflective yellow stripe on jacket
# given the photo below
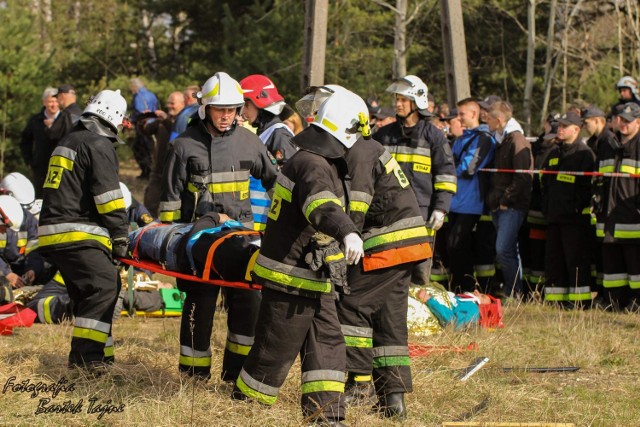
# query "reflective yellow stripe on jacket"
(316, 200)
(359, 201)
(109, 201)
(447, 183)
(288, 275)
(63, 157)
(170, 211)
(404, 229)
(56, 234)
(420, 157)
(222, 182)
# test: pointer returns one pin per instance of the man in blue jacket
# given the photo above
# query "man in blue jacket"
(472, 151)
(144, 101)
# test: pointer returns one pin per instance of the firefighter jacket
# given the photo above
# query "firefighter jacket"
(384, 208)
(83, 204)
(618, 218)
(276, 136)
(210, 173)
(28, 233)
(309, 197)
(425, 158)
(605, 138)
(512, 190)
(540, 149)
(567, 198)
(13, 259)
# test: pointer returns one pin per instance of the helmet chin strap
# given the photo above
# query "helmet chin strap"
(404, 118)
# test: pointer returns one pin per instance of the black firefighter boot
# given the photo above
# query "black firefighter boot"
(392, 406)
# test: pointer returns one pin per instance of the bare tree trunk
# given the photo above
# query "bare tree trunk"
(635, 27)
(316, 16)
(565, 65)
(548, 66)
(47, 17)
(620, 50)
(399, 67)
(565, 47)
(399, 40)
(531, 46)
(151, 44)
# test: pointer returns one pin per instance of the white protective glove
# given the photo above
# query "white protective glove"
(436, 220)
(353, 249)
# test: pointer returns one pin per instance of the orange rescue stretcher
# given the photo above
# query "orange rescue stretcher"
(136, 262)
(157, 268)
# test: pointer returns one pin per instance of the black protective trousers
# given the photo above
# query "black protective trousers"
(621, 268)
(291, 325)
(568, 261)
(197, 314)
(92, 282)
(373, 318)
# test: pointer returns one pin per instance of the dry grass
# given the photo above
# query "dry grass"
(604, 392)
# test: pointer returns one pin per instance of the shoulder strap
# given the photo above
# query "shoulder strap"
(193, 239)
(208, 266)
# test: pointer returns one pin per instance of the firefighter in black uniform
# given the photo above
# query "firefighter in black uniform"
(594, 122)
(83, 222)
(373, 316)
(298, 311)
(207, 169)
(618, 219)
(424, 155)
(566, 204)
(533, 234)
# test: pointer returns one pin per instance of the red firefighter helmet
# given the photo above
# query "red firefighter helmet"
(263, 93)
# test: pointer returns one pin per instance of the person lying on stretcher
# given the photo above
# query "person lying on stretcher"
(216, 241)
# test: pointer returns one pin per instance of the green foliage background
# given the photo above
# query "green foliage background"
(94, 44)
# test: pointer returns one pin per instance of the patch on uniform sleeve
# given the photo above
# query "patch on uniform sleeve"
(271, 158)
(279, 155)
(146, 218)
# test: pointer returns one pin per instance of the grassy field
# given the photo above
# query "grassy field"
(604, 392)
(145, 388)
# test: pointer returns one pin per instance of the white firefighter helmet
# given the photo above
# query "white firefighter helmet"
(110, 106)
(629, 82)
(344, 115)
(20, 187)
(413, 88)
(12, 214)
(126, 195)
(222, 91)
(309, 104)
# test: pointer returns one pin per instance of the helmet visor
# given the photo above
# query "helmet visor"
(400, 86)
(309, 104)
